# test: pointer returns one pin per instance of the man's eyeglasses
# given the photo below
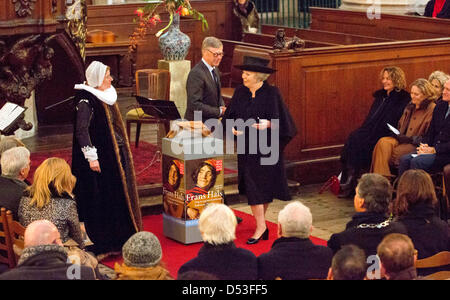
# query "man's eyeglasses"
(216, 54)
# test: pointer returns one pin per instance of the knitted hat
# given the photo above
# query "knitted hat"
(142, 250)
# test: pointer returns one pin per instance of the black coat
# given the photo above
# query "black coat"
(104, 205)
(427, 231)
(366, 237)
(438, 135)
(357, 151)
(203, 94)
(48, 265)
(11, 191)
(261, 182)
(444, 13)
(294, 259)
(226, 262)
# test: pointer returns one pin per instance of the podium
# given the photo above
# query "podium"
(193, 177)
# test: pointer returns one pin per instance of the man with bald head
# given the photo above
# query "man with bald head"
(397, 257)
(45, 258)
(293, 256)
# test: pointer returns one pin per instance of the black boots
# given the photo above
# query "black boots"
(348, 184)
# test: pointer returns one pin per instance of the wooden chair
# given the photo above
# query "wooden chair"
(150, 83)
(440, 259)
(441, 194)
(6, 251)
(16, 233)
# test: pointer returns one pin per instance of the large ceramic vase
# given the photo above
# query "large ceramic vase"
(174, 44)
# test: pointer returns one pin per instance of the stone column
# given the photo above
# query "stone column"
(179, 70)
(380, 6)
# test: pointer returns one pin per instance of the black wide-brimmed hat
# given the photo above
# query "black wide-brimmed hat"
(256, 64)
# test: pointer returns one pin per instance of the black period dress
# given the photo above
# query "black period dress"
(261, 183)
(107, 201)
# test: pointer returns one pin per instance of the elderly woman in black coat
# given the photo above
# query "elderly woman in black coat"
(219, 255)
(388, 105)
(259, 118)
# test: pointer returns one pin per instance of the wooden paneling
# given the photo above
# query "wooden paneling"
(324, 36)
(41, 19)
(269, 40)
(120, 21)
(328, 90)
(396, 27)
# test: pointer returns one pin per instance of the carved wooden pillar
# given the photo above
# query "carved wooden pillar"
(26, 29)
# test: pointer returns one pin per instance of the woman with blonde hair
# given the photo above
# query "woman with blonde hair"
(50, 197)
(413, 125)
(415, 208)
(387, 107)
(437, 80)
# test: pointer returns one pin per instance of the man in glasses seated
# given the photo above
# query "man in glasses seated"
(203, 83)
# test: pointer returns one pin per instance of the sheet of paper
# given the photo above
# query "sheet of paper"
(9, 113)
(393, 129)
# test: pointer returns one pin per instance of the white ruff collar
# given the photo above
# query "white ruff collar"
(108, 96)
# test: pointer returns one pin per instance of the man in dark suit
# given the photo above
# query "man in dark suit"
(293, 256)
(371, 222)
(434, 153)
(203, 83)
(15, 164)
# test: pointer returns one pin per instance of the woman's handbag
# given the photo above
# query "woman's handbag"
(333, 184)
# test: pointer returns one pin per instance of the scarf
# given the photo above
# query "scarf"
(125, 272)
(438, 5)
(108, 96)
(30, 252)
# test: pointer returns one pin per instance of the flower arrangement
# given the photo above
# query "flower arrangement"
(148, 17)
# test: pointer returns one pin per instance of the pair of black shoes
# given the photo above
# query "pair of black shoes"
(347, 188)
(264, 236)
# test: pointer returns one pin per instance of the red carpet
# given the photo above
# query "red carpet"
(175, 254)
(142, 156)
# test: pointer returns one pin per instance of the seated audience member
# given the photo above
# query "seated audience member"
(438, 9)
(413, 125)
(371, 222)
(8, 142)
(196, 275)
(387, 107)
(349, 263)
(142, 255)
(434, 151)
(414, 207)
(437, 80)
(397, 257)
(293, 256)
(15, 164)
(45, 258)
(219, 256)
(50, 197)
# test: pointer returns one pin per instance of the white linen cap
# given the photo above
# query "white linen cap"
(95, 74)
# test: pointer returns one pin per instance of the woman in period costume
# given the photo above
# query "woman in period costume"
(106, 190)
(387, 107)
(262, 108)
(413, 125)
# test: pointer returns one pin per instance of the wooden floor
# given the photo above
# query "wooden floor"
(330, 214)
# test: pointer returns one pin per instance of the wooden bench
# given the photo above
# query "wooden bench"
(269, 40)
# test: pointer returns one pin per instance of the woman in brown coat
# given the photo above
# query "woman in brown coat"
(412, 125)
